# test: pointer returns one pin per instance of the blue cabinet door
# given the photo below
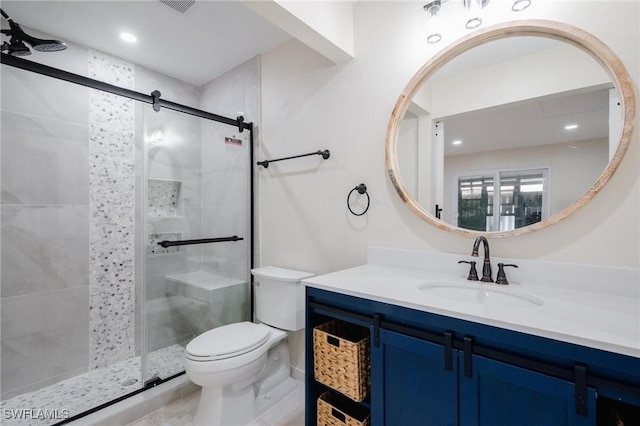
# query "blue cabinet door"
(410, 385)
(499, 394)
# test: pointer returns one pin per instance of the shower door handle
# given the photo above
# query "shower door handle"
(165, 244)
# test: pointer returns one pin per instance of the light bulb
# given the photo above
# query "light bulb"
(432, 9)
(520, 5)
(474, 10)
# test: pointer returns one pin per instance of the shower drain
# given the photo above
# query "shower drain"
(129, 382)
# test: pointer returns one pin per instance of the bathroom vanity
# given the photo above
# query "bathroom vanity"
(559, 345)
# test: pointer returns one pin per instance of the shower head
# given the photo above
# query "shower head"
(17, 47)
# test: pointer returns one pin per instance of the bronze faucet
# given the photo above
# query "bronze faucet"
(486, 267)
(501, 277)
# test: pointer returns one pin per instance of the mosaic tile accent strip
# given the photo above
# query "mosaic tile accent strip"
(85, 391)
(153, 248)
(112, 214)
(164, 198)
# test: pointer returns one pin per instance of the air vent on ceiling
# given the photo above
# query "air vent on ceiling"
(178, 5)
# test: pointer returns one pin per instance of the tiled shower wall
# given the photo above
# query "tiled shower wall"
(226, 204)
(111, 214)
(67, 206)
(173, 164)
(45, 225)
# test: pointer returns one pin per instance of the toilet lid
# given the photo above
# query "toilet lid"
(228, 341)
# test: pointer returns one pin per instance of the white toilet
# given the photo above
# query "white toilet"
(243, 368)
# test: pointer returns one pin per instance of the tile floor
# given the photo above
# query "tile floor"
(288, 412)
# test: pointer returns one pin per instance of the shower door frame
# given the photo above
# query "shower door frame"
(155, 100)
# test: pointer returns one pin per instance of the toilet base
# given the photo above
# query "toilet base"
(240, 402)
(269, 399)
(238, 408)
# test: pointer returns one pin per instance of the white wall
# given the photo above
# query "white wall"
(325, 26)
(332, 19)
(310, 104)
(408, 152)
(564, 68)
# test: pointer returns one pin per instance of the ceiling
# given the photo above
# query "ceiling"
(210, 38)
(530, 123)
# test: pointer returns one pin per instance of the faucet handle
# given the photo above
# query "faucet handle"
(501, 278)
(473, 275)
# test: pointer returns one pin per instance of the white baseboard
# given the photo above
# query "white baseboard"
(297, 374)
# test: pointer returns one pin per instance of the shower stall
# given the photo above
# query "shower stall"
(126, 226)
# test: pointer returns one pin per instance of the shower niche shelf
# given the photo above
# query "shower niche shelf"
(164, 215)
(164, 198)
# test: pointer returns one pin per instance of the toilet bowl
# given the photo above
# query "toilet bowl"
(244, 367)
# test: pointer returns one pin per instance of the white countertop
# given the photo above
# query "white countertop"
(588, 305)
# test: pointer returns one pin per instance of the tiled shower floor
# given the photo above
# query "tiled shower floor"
(91, 389)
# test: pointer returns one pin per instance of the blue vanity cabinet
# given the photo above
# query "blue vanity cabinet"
(413, 383)
(431, 369)
(499, 394)
(410, 382)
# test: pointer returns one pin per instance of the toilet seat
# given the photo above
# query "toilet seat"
(228, 341)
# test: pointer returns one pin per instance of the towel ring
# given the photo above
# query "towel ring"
(362, 189)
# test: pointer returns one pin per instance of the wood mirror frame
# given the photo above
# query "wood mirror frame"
(541, 28)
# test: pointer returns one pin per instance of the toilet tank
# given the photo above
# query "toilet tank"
(279, 297)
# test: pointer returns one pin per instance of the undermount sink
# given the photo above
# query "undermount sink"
(480, 294)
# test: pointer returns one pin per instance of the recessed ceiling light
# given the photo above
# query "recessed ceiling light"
(456, 142)
(570, 126)
(128, 37)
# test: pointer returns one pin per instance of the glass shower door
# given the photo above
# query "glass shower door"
(92, 307)
(197, 231)
(70, 258)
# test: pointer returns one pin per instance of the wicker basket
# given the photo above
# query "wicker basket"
(336, 410)
(341, 358)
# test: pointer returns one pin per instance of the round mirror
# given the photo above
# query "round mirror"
(510, 129)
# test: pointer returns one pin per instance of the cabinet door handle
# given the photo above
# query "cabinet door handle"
(580, 379)
(468, 356)
(448, 351)
(376, 330)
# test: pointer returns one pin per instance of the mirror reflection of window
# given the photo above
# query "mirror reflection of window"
(475, 203)
(523, 199)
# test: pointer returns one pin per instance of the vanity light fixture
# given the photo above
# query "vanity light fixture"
(473, 13)
(570, 126)
(520, 5)
(474, 9)
(432, 9)
(456, 142)
(128, 37)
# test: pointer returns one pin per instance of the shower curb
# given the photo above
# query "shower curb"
(139, 405)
